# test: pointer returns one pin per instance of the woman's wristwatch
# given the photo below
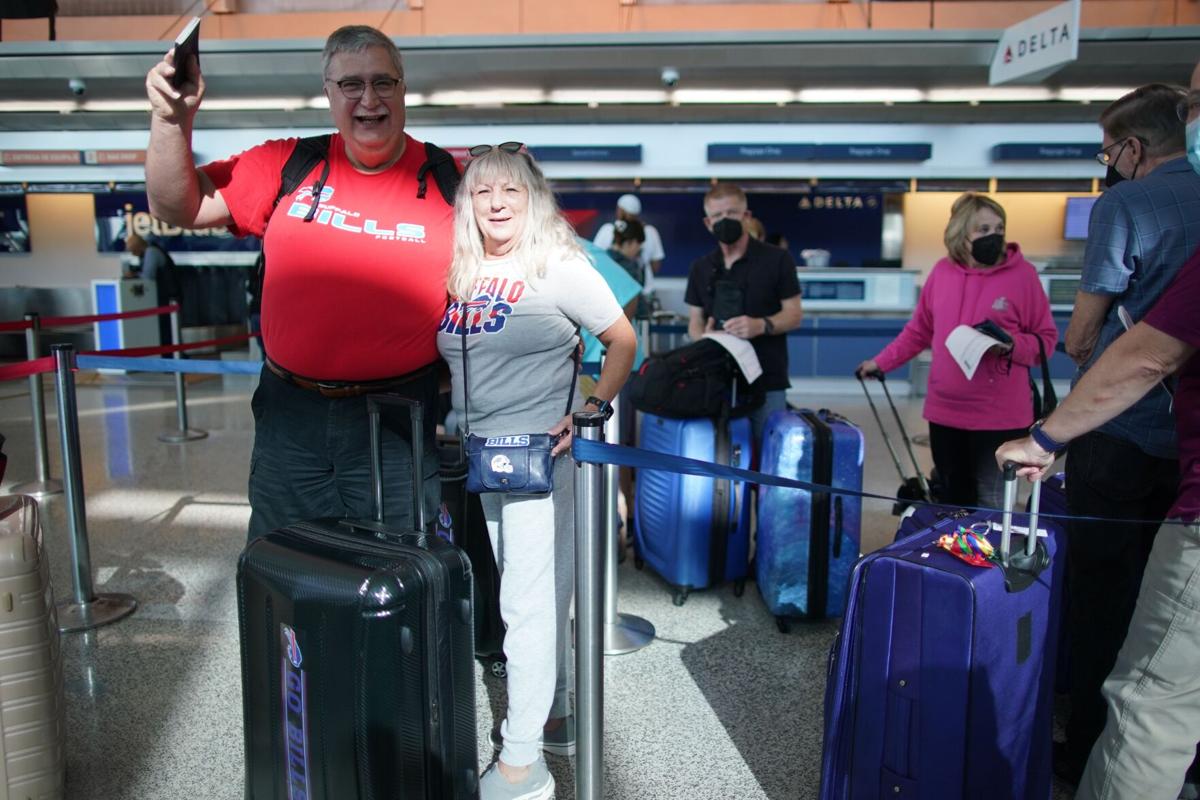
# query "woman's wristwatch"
(1044, 440)
(603, 406)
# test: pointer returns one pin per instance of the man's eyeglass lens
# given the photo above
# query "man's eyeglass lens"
(1187, 107)
(1105, 157)
(483, 149)
(354, 88)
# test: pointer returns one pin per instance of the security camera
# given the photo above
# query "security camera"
(670, 77)
(77, 87)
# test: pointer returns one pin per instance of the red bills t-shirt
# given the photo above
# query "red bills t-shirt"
(1175, 315)
(357, 293)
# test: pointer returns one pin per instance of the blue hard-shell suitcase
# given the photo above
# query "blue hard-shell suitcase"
(941, 679)
(808, 542)
(694, 531)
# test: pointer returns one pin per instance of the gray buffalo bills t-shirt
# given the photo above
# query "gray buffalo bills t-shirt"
(521, 336)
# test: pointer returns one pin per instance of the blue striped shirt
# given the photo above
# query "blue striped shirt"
(1139, 235)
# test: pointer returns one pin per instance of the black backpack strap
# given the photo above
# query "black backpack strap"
(309, 152)
(445, 173)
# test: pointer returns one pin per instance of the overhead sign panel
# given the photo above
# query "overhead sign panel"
(1037, 47)
(625, 154)
(1045, 151)
(793, 152)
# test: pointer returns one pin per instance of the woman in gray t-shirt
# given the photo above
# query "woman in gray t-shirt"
(521, 288)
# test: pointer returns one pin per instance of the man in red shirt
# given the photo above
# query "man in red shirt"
(354, 289)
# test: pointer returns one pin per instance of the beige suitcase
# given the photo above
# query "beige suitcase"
(32, 723)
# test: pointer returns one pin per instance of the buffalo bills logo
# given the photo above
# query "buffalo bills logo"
(500, 463)
(492, 302)
(295, 657)
(444, 528)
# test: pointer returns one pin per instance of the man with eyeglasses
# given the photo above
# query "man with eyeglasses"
(748, 289)
(1142, 230)
(354, 285)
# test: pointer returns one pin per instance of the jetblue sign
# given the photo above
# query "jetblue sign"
(753, 151)
(1038, 46)
(1045, 151)
(625, 154)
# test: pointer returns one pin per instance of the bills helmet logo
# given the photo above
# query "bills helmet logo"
(295, 658)
(500, 463)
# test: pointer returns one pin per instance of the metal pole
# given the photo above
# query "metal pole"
(86, 609)
(44, 485)
(589, 617)
(184, 434)
(623, 633)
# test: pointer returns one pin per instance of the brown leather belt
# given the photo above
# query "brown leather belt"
(338, 389)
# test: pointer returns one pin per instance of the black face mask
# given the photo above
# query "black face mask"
(727, 230)
(988, 249)
(1112, 177)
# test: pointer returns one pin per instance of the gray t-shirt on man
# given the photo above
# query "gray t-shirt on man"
(521, 336)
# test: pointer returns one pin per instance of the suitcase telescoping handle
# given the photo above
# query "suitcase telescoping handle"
(1010, 499)
(903, 433)
(416, 415)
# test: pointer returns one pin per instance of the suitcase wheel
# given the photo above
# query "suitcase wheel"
(783, 625)
(681, 596)
(739, 587)
(498, 668)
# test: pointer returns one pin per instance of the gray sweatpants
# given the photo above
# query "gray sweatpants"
(1153, 692)
(533, 537)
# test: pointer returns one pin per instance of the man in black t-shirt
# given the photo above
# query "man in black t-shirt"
(748, 289)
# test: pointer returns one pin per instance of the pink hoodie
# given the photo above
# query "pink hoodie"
(1009, 294)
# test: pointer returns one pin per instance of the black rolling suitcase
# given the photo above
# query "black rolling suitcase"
(468, 530)
(357, 668)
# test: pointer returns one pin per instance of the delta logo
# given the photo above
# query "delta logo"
(1043, 40)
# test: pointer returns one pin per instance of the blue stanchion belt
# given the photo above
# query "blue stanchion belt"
(186, 365)
(622, 456)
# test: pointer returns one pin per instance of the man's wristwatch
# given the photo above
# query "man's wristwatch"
(603, 406)
(768, 326)
(1043, 439)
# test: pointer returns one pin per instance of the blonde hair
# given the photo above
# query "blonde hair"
(959, 227)
(546, 235)
(720, 190)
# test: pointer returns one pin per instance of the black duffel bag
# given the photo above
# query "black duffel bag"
(696, 380)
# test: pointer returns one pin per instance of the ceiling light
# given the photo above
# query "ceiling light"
(38, 106)
(746, 96)
(991, 94)
(873, 95)
(1089, 94)
(607, 96)
(487, 97)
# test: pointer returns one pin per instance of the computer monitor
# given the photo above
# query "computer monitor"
(1079, 211)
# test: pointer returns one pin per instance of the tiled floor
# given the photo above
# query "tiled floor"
(721, 706)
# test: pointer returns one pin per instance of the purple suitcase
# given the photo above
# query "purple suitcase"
(941, 679)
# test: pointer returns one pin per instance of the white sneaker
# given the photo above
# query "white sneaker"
(538, 784)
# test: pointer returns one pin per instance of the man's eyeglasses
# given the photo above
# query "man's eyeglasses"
(483, 149)
(1187, 107)
(354, 88)
(1106, 158)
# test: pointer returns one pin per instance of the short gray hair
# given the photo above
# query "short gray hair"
(355, 39)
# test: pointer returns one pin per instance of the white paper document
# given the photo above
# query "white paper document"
(967, 347)
(742, 352)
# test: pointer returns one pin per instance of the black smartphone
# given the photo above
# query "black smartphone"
(989, 328)
(187, 44)
(728, 302)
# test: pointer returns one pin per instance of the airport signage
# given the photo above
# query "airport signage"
(1045, 151)
(1037, 47)
(794, 152)
(624, 154)
(40, 158)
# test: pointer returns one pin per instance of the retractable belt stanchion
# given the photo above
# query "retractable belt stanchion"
(589, 617)
(86, 609)
(184, 434)
(623, 633)
(44, 485)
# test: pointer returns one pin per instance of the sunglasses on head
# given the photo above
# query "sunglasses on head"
(508, 147)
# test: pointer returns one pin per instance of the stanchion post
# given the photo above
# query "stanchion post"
(44, 485)
(184, 434)
(623, 633)
(86, 609)
(589, 617)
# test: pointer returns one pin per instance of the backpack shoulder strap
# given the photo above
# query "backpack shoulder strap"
(445, 173)
(309, 152)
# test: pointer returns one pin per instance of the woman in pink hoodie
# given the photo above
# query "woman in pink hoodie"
(981, 279)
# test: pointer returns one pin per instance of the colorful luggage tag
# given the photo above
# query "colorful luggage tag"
(969, 544)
